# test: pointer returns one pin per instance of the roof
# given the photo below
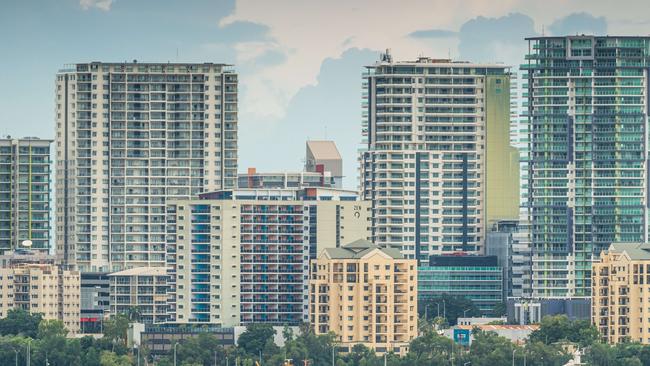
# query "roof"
(496, 327)
(581, 35)
(636, 251)
(358, 249)
(141, 271)
(323, 150)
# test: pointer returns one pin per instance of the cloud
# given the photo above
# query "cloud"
(579, 23)
(308, 36)
(432, 33)
(496, 39)
(328, 109)
(243, 31)
(104, 5)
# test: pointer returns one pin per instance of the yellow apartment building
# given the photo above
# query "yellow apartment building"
(365, 295)
(620, 296)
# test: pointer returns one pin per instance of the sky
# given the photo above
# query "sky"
(299, 61)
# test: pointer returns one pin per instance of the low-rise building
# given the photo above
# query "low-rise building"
(365, 295)
(532, 310)
(462, 334)
(140, 292)
(620, 292)
(35, 282)
(95, 299)
(477, 278)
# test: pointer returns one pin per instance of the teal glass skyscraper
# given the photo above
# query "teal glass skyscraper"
(588, 187)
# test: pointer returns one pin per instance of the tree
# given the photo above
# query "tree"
(499, 310)
(429, 349)
(451, 307)
(51, 328)
(115, 329)
(20, 322)
(111, 359)
(489, 349)
(255, 337)
(558, 328)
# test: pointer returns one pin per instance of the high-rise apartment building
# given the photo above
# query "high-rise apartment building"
(33, 281)
(129, 136)
(24, 192)
(588, 118)
(621, 293)
(438, 165)
(242, 256)
(365, 295)
(519, 131)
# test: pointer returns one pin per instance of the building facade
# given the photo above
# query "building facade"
(34, 282)
(437, 165)
(509, 241)
(618, 299)
(140, 293)
(95, 301)
(477, 278)
(323, 157)
(129, 136)
(24, 193)
(588, 117)
(241, 257)
(253, 179)
(365, 295)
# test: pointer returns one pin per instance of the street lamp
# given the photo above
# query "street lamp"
(513, 356)
(465, 312)
(175, 345)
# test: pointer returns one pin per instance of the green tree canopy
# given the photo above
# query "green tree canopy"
(451, 307)
(21, 322)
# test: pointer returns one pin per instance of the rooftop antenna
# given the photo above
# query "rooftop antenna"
(543, 31)
(325, 132)
(176, 54)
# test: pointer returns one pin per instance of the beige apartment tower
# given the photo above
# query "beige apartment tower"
(366, 295)
(129, 136)
(142, 288)
(34, 282)
(620, 293)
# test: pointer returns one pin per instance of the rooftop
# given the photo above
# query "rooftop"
(359, 248)
(636, 251)
(323, 150)
(141, 271)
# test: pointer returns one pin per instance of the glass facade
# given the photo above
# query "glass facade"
(481, 284)
(588, 102)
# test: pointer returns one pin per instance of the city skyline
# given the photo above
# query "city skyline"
(290, 75)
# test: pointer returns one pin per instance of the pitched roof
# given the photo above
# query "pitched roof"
(323, 150)
(636, 251)
(359, 248)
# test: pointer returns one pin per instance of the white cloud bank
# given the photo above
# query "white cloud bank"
(104, 5)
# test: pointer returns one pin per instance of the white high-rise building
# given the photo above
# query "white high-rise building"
(130, 136)
(438, 165)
